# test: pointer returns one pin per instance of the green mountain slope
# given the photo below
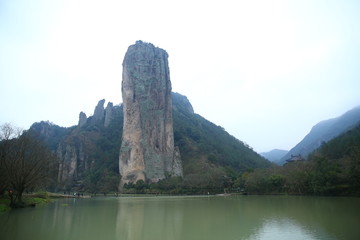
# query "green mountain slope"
(323, 132)
(199, 138)
(332, 169)
(88, 155)
(345, 145)
(337, 164)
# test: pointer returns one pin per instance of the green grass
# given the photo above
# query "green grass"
(36, 199)
(4, 204)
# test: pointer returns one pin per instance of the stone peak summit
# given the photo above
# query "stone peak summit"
(147, 151)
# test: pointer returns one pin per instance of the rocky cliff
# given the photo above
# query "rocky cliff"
(82, 119)
(88, 155)
(108, 114)
(99, 111)
(147, 151)
(72, 161)
(79, 152)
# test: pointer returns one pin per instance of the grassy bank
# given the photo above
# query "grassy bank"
(30, 200)
(4, 204)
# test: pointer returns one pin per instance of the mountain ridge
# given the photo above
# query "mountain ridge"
(274, 155)
(324, 131)
(88, 153)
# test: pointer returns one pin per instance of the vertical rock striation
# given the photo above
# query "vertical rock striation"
(82, 119)
(108, 114)
(99, 112)
(147, 151)
(72, 161)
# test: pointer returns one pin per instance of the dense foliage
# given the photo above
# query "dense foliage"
(103, 176)
(211, 157)
(324, 131)
(49, 133)
(197, 138)
(26, 164)
(213, 160)
(333, 169)
(100, 171)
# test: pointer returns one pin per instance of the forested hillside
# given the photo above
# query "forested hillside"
(88, 155)
(324, 131)
(332, 169)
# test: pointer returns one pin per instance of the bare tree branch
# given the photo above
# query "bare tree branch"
(24, 162)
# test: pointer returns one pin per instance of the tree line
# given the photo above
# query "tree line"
(332, 169)
(25, 164)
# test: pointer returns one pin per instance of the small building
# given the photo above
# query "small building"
(295, 158)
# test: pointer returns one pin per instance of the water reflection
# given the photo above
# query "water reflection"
(244, 217)
(64, 219)
(149, 218)
(175, 218)
(285, 229)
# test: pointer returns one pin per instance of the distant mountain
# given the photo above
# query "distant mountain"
(89, 152)
(323, 132)
(274, 155)
(333, 169)
(345, 147)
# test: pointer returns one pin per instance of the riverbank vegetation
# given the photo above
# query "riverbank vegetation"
(333, 169)
(317, 176)
(28, 200)
(25, 165)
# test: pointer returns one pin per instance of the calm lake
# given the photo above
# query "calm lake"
(187, 218)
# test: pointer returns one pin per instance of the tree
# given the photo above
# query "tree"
(25, 163)
(7, 132)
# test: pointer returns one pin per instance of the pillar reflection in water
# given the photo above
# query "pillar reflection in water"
(149, 218)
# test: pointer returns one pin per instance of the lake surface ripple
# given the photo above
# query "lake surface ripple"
(187, 218)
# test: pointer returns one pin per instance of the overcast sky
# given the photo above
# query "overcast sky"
(266, 71)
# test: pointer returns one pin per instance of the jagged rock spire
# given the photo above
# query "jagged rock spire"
(82, 119)
(99, 111)
(147, 151)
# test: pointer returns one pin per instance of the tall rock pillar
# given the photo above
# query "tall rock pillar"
(147, 151)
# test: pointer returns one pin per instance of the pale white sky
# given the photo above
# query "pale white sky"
(266, 71)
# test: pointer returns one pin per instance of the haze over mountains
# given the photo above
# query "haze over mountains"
(320, 133)
(156, 136)
(274, 155)
(88, 153)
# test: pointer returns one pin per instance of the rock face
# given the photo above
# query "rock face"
(82, 119)
(147, 151)
(108, 114)
(183, 103)
(99, 111)
(72, 161)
